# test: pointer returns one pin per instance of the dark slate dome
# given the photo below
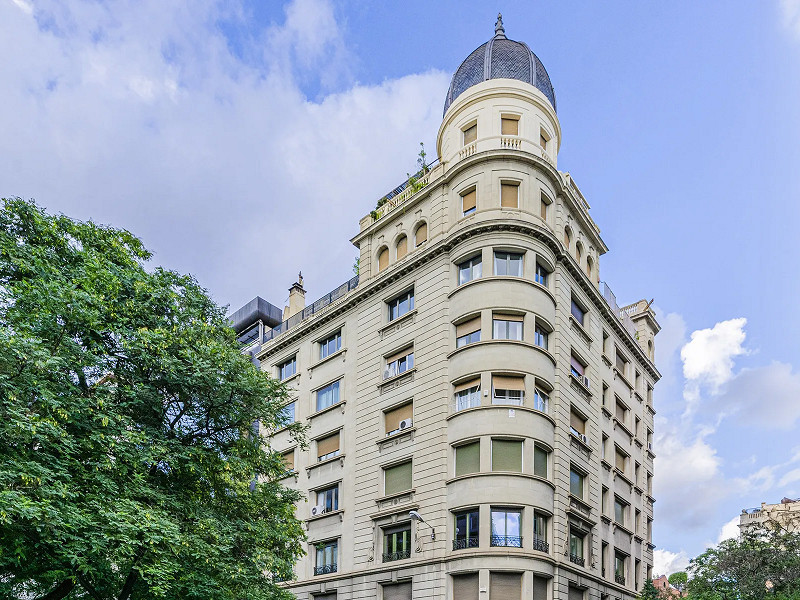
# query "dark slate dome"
(498, 58)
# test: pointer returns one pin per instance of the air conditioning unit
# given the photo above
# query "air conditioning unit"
(387, 373)
(585, 381)
(317, 510)
(650, 446)
(582, 437)
(405, 424)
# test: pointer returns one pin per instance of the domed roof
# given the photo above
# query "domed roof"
(500, 57)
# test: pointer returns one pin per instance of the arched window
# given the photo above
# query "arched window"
(402, 247)
(383, 259)
(650, 349)
(421, 235)
(578, 252)
(589, 265)
(567, 237)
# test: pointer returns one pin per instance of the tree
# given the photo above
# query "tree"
(761, 563)
(650, 591)
(129, 462)
(678, 580)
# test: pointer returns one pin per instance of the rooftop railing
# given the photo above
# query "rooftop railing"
(312, 309)
(405, 190)
(622, 315)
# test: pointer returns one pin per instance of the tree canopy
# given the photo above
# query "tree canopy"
(678, 580)
(129, 462)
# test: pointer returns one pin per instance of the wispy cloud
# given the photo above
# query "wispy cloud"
(790, 10)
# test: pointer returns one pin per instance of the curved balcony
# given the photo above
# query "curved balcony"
(500, 488)
(503, 356)
(496, 292)
(493, 420)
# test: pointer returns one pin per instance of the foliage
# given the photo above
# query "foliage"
(413, 182)
(650, 591)
(357, 265)
(678, 580)
(129, 466)
(760, 563)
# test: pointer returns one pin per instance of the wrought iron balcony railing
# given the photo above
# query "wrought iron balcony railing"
(507, 540)
(578, 560)
(540, 545)
(467, 542)
(325, 569)
(620, 579)
(389, 557)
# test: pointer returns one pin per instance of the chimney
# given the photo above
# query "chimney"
(297, 298)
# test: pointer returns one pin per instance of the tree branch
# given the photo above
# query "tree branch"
(89, 587)
(62, 590)
(130, 581)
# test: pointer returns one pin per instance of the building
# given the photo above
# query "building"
(786, 514)
(480, 410)
(662, 585)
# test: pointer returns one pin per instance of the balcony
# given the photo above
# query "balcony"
(467, 542)
(540, 545)
(578, 560)
(325, 569)
(620, 579)
(406, 190)
(622, 315)
(391, 556)
(508, 541)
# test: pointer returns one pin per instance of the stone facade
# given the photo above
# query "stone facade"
(537, 484)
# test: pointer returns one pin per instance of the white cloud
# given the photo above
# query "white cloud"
(766, 397)
(667, 563)
(708, 357)
(729, 530)
(790, 477)
(791, 15)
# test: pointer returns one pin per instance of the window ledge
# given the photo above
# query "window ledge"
(605, 519)
(330, 408)
(581, 329)
(502, 341)
(622, 476)
(501, 407)
(394, 378)
(394, 323)
(607, 360)
(623, 528)
(650, 453)
(395, 495)
(624, 379)
(638, 489)
(580, 385)
(491, 473)
(639, 396)
(327, 461)
(638, 442)
(624, 427)
(328, 358)
(638, 537)
(396, 436)
(580, 442)
(487, 278)
(606, 464)
(650, 497)
(326, 514)
(291, 378)
(605, 410)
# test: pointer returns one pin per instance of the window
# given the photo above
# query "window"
(636, 572)
(383, 259)
(468, 332)
(575, 593)
(619, 568)
(637, 426)
(506, 528)
(589, 266)
(604, 447)
(287, 369)
(398, 419)
(402, 247)
(576, 367)
(328, 396)
(508, 263)
(421, 235)
(401, 305)
(637, 520)
(577, 426)
(605, 342)
(540, 460)
(540, 335)
(508, 390)
(397, 543)
(469, 202)
(621, 412)
(541, 401)
(468, 395)
(505, 586)
(577, 312)
(469, 269)
(603, 558)
(541, 274)
(328, 447)
(620, 509)
(509, 125)
(466, 586)
(467, 529)
(543, 139)
(604, 501)
(507, 327)
(329, 498)
(636, 469)
(578, 252)
(399, 363)
(288, 460)
(468, 458)
(540, 531)
(567, 237)
(397, 479)
(576, 546)
(507, 455)
(327, 557)
(576, 483)
(288, 413)
(509, 195)
(396, 591)
(330, 345)
(471, 134)
(621, 363)
(621, 459)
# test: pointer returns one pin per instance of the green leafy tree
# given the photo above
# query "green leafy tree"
(678, 580)
(650, 591)
(761, 563)
(130, 466)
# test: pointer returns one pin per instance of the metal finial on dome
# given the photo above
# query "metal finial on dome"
(499, 30)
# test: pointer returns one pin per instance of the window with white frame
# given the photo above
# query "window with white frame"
(507, 326)
(398, 363)
(401, 305)
(330, 345)
(508, 389)
(469, 269)
(468, 394)
(508, 263)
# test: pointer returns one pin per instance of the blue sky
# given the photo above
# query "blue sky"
(243, 141)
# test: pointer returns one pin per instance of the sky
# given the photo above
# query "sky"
(242, 142)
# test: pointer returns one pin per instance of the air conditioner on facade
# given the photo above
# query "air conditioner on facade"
(317, 510)
(387, 373)
(583, 438)
(405, 424)
(650, 446)
(585, 381)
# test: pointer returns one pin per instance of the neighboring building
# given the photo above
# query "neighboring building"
(786, 513)
(662, 585)
(475, 372)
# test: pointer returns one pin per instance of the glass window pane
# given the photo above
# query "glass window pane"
(539, 461)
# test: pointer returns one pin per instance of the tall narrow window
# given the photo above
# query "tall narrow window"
(288, 460)
(567, 238)
(509, 195)
(508, 390)
(507, 327)
(619, 512)
(540, 459)
(509, 126)
(508, 263)
(328, 498)
(540, 531)
(576, 538)
(576, 483)
(543, 139)
(288, 413)
(468, 202)
(402, 247)
(469, 269)
(328, 447)
(328, 396)
(470, 134)
(468, 332)
(577, 426)
(506, 528)
(540, 336)
(576, 367)
(383, 259)
(467, 530)
(421, 235)
(327, 553)
(544, 206)
(541, 274)
(288, 368)
(577, 311)
(541, 400)
(619, 568)
(397, 543)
